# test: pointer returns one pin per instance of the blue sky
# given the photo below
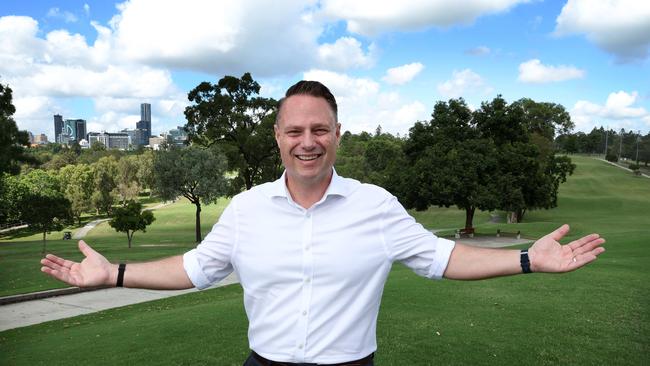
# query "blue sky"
(387, 62)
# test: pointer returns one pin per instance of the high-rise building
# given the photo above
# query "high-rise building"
(58, 127)
(110, 140)
(40, 139)
(145, 112)
(81, 129)
(73, 130)
(143, 127)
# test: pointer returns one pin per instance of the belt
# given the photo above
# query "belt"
(265, 362)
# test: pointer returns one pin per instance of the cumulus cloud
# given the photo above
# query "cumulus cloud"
(223, 37)
(462, 83)
(345, 53)
(370, 17)
(619, 110)
(402, 74)
(533, 71)
(363, 105)
(87, 9)
(620, 27)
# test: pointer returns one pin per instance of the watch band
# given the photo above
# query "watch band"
(120, 275)
(525, 261)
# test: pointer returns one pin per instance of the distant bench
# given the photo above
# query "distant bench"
(469, 232)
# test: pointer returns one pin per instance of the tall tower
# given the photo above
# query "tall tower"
(144, 126)
(80, 129)
(145, 112)
(58, 127)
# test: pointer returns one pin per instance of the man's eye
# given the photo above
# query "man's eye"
(293, 133)
(321, 131)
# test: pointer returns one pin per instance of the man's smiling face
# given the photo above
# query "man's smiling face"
(307, 135)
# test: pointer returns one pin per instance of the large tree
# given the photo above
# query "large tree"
(529, 172)
(77, 187)
(195, 173)
(449, 163)
(104, 172)
(131, 218)
(232, 116)
(12, 141)
(41, 204)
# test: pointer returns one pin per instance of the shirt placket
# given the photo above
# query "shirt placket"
(307, 273)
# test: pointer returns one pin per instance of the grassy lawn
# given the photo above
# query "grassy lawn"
(172, 233)
(599, 315)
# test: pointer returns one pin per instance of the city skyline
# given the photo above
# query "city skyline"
(387, 63)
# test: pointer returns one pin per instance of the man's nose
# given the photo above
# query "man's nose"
(308, 140)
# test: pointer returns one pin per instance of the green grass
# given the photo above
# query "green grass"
(599, 315)
(172, 233)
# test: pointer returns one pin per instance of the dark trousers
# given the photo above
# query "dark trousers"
(251, 361)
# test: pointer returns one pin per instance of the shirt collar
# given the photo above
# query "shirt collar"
(338, 186)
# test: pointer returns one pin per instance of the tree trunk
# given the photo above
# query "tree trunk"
(198, 221)
(469, 217)
(520, 214)
(129, 236)
(44, 232)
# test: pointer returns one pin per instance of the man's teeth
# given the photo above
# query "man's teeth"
(307, 157)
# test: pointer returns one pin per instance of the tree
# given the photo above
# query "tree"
(12, 141)
(41, 203)
(449, 164)
(528, 170)
(232, 117)
(104, 172)
(130, 218)
(77, 187)
(126, 181)
(195, 173)
(145, 170)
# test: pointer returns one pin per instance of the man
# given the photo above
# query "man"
(313, 250)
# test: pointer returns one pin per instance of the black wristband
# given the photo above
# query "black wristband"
(525, 261)
(120, 275)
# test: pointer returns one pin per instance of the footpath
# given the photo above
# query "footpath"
(22, 314)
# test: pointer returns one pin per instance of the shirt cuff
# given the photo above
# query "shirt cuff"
(441, 258)
(193, 270)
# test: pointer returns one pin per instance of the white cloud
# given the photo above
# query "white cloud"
(223, 37)
(345, 53)
(618, 111)
(66, 16)
(402, 74)
(620, 27)
(533, 71)
(363, 106)
(370, 17)
(479, 51)
(462, 83)
(87, 9)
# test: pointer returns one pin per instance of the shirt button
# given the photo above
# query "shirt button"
(307, 280)
(304, 313)
(300, 346)
(307, 248)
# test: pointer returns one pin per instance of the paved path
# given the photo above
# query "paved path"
(33, 312)
(622, 167)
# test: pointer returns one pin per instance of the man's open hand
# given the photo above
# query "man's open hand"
(548, 255)
(93, 271)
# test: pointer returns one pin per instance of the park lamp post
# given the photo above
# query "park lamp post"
(638, 137)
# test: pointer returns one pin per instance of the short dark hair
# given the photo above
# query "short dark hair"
(312, 88)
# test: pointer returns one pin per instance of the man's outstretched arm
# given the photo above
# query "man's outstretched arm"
(95, 270)
(546, 255)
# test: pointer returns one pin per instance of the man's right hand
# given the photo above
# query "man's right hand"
(93, 271)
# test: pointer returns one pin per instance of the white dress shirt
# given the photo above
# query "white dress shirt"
(313, 278)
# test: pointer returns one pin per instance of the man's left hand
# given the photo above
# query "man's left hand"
(548, 255)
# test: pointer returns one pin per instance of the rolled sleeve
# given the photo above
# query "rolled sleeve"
(210, 261)
(411, 244)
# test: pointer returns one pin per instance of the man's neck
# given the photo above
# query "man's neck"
(307, 194)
